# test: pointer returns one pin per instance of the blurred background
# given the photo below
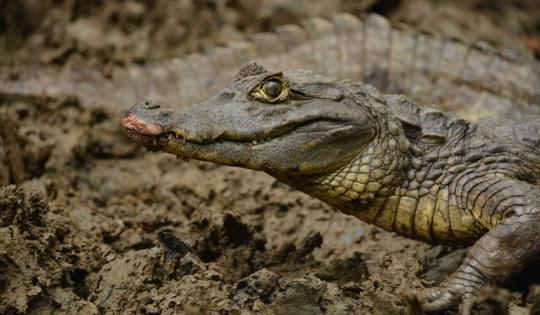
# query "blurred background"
(124, 31)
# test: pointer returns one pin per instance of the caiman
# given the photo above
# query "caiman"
(421, 173)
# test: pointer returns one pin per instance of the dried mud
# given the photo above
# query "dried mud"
(90, 223)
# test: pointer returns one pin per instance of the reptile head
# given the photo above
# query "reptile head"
(290, 124)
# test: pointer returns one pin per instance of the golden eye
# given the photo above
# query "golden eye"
(272, 88)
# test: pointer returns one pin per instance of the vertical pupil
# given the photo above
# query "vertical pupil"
(272, 88)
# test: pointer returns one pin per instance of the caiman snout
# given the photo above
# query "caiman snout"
(143, 123)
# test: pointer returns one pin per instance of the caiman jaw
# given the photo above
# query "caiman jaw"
(157, 130)
(156, 137)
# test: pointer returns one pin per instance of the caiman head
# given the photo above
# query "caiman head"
(294, 125)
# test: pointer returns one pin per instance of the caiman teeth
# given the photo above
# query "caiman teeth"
(179, 139)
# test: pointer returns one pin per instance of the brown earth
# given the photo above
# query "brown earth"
(96, 225)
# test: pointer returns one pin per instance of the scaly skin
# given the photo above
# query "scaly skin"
(423, 174)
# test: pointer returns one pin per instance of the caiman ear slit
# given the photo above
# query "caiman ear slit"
(250, 69)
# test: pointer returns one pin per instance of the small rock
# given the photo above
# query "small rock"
(260, 284)
(534, 299)
(173, 243)
(312, 241)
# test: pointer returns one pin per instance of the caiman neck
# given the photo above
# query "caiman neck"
(375, 173)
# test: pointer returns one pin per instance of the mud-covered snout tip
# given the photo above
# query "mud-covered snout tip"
(141, 123)
(142, 119)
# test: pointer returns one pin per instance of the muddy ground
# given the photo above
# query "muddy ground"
(94, 224)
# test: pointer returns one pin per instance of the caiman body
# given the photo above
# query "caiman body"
(424, 174)
(421, 173)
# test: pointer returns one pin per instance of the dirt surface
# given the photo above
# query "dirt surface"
(94, 224)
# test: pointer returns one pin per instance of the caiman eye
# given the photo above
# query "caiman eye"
(271, 90)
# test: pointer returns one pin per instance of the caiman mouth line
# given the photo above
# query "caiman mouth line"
(173, 136)
(271, 135)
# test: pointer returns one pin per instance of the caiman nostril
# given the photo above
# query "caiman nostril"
(150, 105)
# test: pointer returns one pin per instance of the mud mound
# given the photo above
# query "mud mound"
(44, 258)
